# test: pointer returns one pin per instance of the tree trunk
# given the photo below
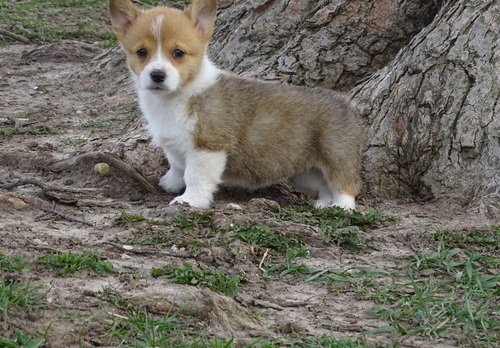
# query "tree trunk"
(325, 43)
(433, 112)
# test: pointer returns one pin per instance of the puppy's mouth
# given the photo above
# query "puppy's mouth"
(158, 88)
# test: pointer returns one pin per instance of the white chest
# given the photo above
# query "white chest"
(170, 126)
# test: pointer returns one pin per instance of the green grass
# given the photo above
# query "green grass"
(183, 219)
(177, 229)
(188, 220)
(211, 277)
(50, 21)
(339, 226)
(328, 341)
(331, 217)
(441, 292)
(13, 265)
(143, 329)
(15, 296)
(69, 262)
(18, 298)
(9, 132)
(20, 339)
(264, 237)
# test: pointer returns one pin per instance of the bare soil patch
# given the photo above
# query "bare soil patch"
(60, 115)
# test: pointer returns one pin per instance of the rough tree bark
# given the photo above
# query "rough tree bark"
(431, 110)
(325, 43)
(434, 112)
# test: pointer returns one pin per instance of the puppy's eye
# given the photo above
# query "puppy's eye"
(142, 53)
(178, 54)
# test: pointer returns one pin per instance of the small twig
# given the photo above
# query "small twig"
(13, 120)
(144, 251)
(14, 36)
(293, 303)
(267, 304)
(262, 260)
(117, 315)
(22, 182)
(47, 248)
(65, 216)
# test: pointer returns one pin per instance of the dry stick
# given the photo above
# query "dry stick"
(14, 36)
(47, 248)
(141, 251)
(22, 182)
(262, 260)
(8, 186)
(66, 216)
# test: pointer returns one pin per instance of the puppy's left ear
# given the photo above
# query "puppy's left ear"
(202, 13)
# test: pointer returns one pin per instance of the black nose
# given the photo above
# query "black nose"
(158, 76)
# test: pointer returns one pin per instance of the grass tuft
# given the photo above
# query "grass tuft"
(443, 292)
(13, 265)
(264, 237)
(69, 262)
(19, 339)
(340, 226)
(15, 295)
(211, 277)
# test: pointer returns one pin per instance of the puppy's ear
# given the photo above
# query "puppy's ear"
(123, 14)
(202, 13)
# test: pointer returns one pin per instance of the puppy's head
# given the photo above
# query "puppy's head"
(164, 46)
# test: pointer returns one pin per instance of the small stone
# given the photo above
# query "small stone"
(234, 206)
(126, 257)
(102, 168)
(263, 204)
(37, 241)
(17, 203)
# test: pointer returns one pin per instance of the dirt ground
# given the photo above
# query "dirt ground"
(59, 116)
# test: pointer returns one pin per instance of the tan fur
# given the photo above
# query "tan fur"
(272, 131)
(176, 34)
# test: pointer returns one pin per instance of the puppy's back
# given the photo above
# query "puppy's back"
(272, 131)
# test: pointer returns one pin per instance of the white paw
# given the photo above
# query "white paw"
(322, 203)
(172, 181)
(195, 202)
(344, 201)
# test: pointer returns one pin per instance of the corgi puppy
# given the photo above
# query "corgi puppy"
(216, 127)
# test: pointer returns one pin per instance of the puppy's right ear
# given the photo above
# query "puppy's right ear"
(123, 14)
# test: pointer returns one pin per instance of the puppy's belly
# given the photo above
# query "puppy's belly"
(253, 172)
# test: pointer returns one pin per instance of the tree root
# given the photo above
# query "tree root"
(14, 36)
(65, 216)
(113, 161)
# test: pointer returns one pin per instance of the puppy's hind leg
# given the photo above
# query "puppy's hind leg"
(314, 182)
(344, 183)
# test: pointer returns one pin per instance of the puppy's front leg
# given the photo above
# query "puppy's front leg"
(202, 175)
(173, 180)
